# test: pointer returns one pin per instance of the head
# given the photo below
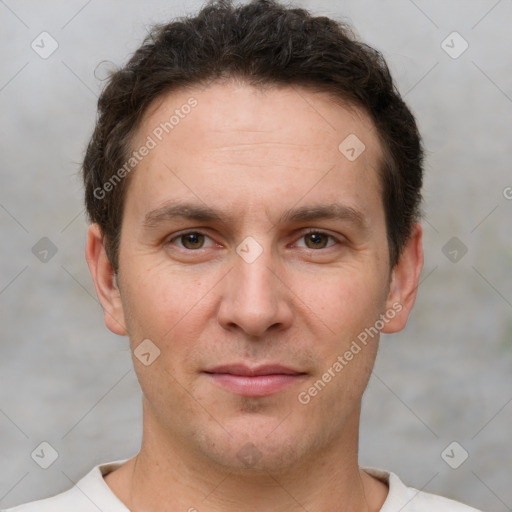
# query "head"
(253, 184)
(313, 52)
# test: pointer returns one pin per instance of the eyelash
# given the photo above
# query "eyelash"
(310, 231)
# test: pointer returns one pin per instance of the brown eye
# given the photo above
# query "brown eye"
(316, 240)
(191, 241)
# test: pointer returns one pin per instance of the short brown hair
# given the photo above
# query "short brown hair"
(264, 43)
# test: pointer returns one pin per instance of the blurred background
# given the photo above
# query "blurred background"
(438, 409)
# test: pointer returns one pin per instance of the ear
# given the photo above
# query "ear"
(104, 281)
(404, 281)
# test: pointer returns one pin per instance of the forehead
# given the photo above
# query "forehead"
(229, 106)
(231, 136)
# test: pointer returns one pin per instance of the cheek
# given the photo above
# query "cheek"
(346, 301)
(346, 310)
(349, 310)
(171, 309)
(157, 299)
(164, 307)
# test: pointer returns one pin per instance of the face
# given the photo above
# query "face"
(254, 257)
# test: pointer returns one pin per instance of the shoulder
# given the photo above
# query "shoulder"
(68, 500)
(426, 502)
(408, 499)
(89, 494)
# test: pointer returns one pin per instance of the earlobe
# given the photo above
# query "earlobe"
(405, 280)
(105, 281)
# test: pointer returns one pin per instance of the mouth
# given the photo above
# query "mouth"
(254, 381)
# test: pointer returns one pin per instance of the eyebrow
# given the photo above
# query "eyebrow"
(200, 212)
(335, 211)
(191, 211)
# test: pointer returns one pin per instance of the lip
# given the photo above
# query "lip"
(255, 381)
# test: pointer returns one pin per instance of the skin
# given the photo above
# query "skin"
(253, 155)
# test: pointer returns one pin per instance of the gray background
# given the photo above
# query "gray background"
(67, 380)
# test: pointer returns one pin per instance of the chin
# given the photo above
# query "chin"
(257, 443)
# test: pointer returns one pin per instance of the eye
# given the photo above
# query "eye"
(191, 241)
(317, 240)
(195, 240)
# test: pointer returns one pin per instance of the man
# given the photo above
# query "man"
(253, 184)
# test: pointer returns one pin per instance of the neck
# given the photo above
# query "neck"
(167, 475)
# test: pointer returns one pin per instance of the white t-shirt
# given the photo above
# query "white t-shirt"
(91, 493)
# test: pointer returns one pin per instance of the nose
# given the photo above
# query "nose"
(256, 298)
